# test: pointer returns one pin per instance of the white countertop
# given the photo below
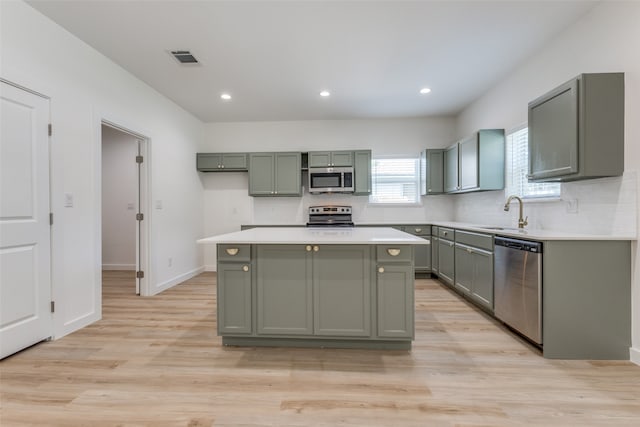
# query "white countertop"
(319, 235)
(527, 233)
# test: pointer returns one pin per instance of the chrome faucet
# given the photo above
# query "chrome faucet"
(521, 222)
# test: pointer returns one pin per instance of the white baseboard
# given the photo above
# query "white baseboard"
(131, 267)
(211, 267)
(176, 280)
(634, 354)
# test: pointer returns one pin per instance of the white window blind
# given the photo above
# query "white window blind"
(517, 169)
(395, 181)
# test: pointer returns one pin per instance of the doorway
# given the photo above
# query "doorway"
(124, 230)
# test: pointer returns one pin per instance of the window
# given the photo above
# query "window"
(518, 166)
(395, 181)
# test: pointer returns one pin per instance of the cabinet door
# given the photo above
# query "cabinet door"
(451, 169)
(553, 133)
(464, 268)
(284, 291)
(434, 171)
(207, 162)
(236, 161)
(482, 290)
(288, 174)
(395, 301)
(234, 298)
(469, 163)
(446, 261)
(422, 257)
(261, 174)
(435, 251)
(319, 159)
(342, 290)
(341, 158)
(362, 172)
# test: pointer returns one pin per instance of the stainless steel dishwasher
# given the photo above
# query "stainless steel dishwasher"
(518, 285)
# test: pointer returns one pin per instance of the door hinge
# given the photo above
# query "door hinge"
(139, 274)
(139, 159)
(50, 129)
(51, 218)
(139, 217)
(53, 306)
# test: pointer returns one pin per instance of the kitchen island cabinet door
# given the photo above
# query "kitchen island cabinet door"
(395, 301)
(234, 298)
(342, 290)
(284, 291)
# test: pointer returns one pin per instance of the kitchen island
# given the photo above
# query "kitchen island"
(316, 287)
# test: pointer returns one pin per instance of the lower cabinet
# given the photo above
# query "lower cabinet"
(446, 257)
(234, 298)
(395, 300)
(474, 274)
(435, 251)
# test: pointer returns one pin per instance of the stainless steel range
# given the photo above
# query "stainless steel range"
(330, 216)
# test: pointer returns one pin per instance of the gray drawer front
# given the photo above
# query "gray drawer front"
(385, 253)
(445, 233)
(226, 252)
(418, 230)
(477, 240)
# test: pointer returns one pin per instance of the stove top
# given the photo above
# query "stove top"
(330, 216)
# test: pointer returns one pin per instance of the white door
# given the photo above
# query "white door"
(25, 251)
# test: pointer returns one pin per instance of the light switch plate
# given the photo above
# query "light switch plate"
(68, 200)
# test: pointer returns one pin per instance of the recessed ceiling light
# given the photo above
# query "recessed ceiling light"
(225, 96)
(325, 93)
(425, 90)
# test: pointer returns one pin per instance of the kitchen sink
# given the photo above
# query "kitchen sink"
(519, 230)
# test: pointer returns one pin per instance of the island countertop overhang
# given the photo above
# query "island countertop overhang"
(317, 235)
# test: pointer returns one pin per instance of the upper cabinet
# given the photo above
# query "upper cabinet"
(321, 159)
(576, 131)
(362, 172)
(431, 172)
(475, 163)
(275, 174)
(221, 162)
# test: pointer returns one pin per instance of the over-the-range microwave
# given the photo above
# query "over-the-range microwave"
(331, 180)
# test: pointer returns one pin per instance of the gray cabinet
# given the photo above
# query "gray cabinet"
(446, 255)
(395, 301)
(234, 289)
(431, 172)
(221, 162)
(476, 163)
(362, 172)
(576, 131)
(284, 290)
(450, 159)
(435, 249)
(275, 174)
(320, 159)
(421, 253)
(474, 267)
(342, 290)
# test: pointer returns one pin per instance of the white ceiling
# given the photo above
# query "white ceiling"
(274, 57)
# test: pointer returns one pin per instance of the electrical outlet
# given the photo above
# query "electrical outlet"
(572, 206)
(68, 200)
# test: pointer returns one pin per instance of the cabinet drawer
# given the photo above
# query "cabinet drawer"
(418, 230)
(234, 252)
(483, 241)
(394, 253)
(445, 233)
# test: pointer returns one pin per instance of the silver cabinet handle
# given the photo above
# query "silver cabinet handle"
(245, 268)
(316, 249)
(308, 248)
(380, 269)
(232, 251)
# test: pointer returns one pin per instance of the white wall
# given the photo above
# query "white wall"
(226, 201)
(84, 87)
(119, 199)
(606, 40)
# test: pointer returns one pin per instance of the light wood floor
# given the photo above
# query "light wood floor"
(157, 361)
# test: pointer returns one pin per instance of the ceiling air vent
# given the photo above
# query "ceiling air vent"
(184, 57)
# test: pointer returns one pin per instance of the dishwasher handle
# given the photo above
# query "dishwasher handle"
(517, 244)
